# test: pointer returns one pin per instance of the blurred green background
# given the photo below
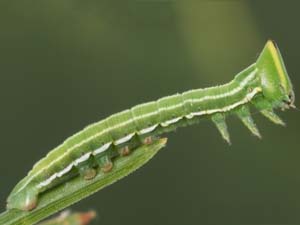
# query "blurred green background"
(66, 64)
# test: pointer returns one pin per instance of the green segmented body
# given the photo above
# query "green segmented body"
(265, 84)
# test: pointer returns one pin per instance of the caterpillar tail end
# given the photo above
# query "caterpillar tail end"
(25, 200)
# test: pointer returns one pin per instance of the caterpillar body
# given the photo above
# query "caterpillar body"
(264, 84)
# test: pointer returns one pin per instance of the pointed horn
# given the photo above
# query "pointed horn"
(219, 121)
(245, 116)
(269, 113)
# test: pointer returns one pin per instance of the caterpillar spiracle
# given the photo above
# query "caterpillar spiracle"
(265, 85)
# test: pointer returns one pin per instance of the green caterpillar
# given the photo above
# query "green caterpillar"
(264, 84)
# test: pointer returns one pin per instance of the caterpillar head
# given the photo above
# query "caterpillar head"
(276, 85)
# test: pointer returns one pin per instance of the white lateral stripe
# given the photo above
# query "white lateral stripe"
(65, 170)
(168, 122)
(240, 87)
(248, 97)
(47, 182)
(124, 139)
(242, 84)
(189, 116)
(102, 148)
(147, 130)
(82, 158)
(230, 93)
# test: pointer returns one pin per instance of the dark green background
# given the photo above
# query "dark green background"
(66, 64)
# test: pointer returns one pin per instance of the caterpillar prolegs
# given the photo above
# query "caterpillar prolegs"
(264, 84)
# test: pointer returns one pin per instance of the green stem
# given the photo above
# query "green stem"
(76, 189)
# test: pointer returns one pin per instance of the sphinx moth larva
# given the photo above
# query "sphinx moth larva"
(264, 84)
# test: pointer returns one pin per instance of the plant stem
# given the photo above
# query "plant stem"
(76, 189)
